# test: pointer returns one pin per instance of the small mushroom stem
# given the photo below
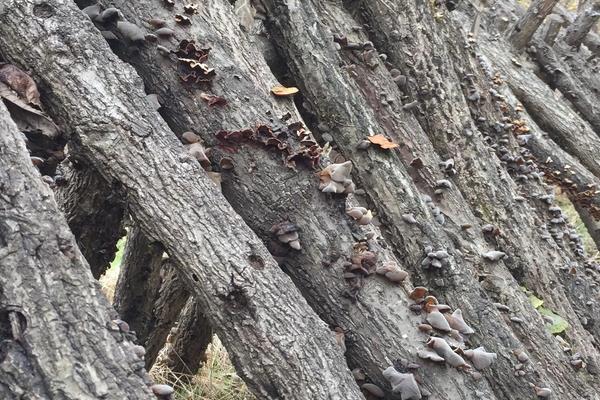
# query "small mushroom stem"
(522, 31)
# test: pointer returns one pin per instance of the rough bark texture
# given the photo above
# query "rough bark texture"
(94, 212)
(55, 324)
(247, 298)
(405, 69)
(582, 25)
(591, 40)
(433, 60)
(551, 28)
(523, 30)
(139, 283)
(555, 120)
(265, 193)
(167, 307)
(193, 335)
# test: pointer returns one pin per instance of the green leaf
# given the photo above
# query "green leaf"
(536, 302)
(558, 324)
(119, 255)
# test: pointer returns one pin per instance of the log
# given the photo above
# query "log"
(151, 298)
(236, 280)
(591, 40)
(139, 282)
(551, 28)
(266, 193)
(167, 307)
(522, 31)
(558, 75)
(578, 30)
(193, 334)
(94, 212)
(58, 340)
(344, 92)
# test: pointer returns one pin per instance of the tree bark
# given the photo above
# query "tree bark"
(265, 193)
(582, 25)
(552, 28)
(94, 212)
(523, 30)
(166, 311)
(139, 282)
(591, 40)
(245, 295)
(188, 348)
(469, 156)
(330, 93)
(58, 340)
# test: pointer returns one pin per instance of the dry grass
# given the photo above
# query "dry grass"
(216, 380)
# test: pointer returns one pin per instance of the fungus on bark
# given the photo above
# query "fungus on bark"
(443, 349)
(403, 384)
(335, 178)
(360, 214)
(287, 232)
(480, 358)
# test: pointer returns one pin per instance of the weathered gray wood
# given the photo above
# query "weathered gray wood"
(193, 335)
(94, 212)
(582, 25)
(274, 338)
(551, 28)
(332, 95)
(591, 40)
(167, 307)
(522, 31)
(139, 282)
(556, 73)
(581, 4)
(55, 324)
(265, 192)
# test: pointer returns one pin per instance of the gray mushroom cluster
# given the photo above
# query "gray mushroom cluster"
(335, 178)
(435, 210)
(447, 334)
(360, 214)
(287, 232)
(403, 384)
(435, 259)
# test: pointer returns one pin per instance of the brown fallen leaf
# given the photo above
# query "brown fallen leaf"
(21, 83)
(213, 100)
(382, 142)
(27, 118)
(280, 90)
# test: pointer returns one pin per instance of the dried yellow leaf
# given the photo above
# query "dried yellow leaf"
(382, 142)
(284, 91)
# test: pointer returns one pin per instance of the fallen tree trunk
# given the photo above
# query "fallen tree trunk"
(94, 212)
(187, 349)
(245, 295)
(166, 311)
(582, 25)
(523, 30)
(58, 340)
(330, 92)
